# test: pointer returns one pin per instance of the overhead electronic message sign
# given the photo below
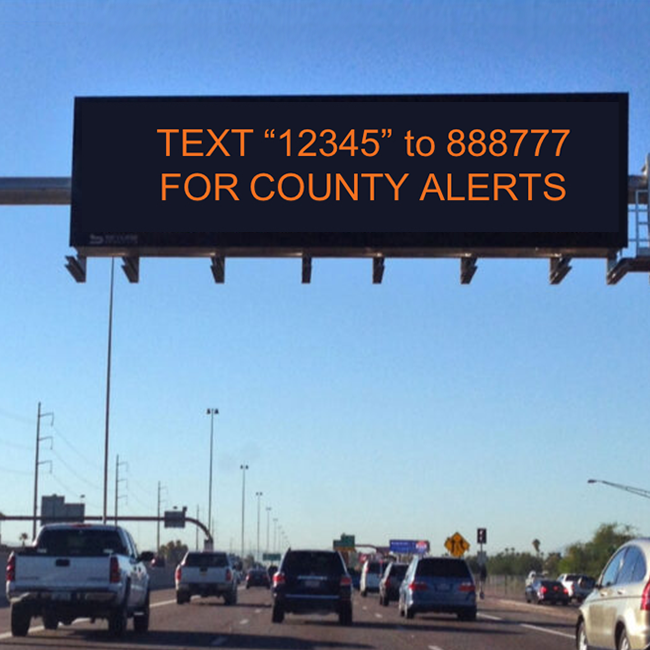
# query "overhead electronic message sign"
(409, 175)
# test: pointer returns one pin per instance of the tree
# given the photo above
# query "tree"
(591, 557)
(23, 538)
(173, 552)
(536, 545)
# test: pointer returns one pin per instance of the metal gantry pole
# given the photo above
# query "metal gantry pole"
(108, 391)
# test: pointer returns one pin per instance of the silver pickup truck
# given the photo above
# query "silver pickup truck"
(79, 570)
(205, 574)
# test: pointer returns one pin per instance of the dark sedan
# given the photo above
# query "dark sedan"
(258, 578)
(547, 591)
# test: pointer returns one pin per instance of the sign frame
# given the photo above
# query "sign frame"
(344, 244)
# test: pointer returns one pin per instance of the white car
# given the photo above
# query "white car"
(578, 586)
(371, 574)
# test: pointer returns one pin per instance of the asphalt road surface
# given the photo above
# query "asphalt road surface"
(208, 623)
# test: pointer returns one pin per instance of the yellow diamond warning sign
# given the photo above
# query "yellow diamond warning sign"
(457, 545)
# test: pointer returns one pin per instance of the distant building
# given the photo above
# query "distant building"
(54, 509)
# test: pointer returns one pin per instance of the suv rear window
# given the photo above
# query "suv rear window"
(80, 541)
(312, 562)
(443, 568)
(398, 570)
(207, 560)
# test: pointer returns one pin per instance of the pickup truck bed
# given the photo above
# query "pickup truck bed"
(76, 570)
(205, 574)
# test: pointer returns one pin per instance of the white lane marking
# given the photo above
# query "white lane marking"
(220, 640)
(542, 629)
(379, 615)
(244, 621)
(489, 617)
(7, 635)
(365, 608)
(162, 603)
(435, 647)
(258, 611)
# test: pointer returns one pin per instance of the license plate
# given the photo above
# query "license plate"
(312, 584)
(61, 595)
(443, 588)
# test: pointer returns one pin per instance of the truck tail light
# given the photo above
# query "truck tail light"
(645, 597)
(11, 568)
(228, 575)
(178, 573)
(114, 570)
(467, 587)
(543, 590)
(418, 586)
(346, 581)
(387, 583)
(278, 579)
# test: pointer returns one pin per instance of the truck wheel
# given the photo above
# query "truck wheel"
(231, 598)
(141, 618)
(181, 598)
(20, 620)
(117, 621)
(345, 614)
(50, 622)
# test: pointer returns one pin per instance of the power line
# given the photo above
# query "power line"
(75, 449)
(74, 472)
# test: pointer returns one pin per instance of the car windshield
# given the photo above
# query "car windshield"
(80, 541)
(443, 568)
(207, 560)
(312, 563)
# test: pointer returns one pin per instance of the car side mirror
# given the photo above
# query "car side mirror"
(145, 556)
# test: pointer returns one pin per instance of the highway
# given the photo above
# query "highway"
(208, 623)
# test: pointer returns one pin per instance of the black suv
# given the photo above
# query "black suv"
(312, 582)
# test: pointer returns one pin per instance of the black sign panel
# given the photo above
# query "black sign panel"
(350, 175)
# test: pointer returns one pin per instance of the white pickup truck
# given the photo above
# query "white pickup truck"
(205, 574)
(79, 570)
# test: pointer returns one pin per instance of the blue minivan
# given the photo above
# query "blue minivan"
(438, 584)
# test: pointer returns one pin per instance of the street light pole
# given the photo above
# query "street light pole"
(275, 534)
(211, 412)
(258, 495)
(627, 488)
(268, 520)
(243, 468)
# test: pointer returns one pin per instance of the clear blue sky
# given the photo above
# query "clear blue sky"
(416, 408)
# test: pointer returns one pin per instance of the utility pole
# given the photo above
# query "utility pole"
(37, 462)
(117, 481)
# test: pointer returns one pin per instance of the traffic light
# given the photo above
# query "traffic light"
(481, 536)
